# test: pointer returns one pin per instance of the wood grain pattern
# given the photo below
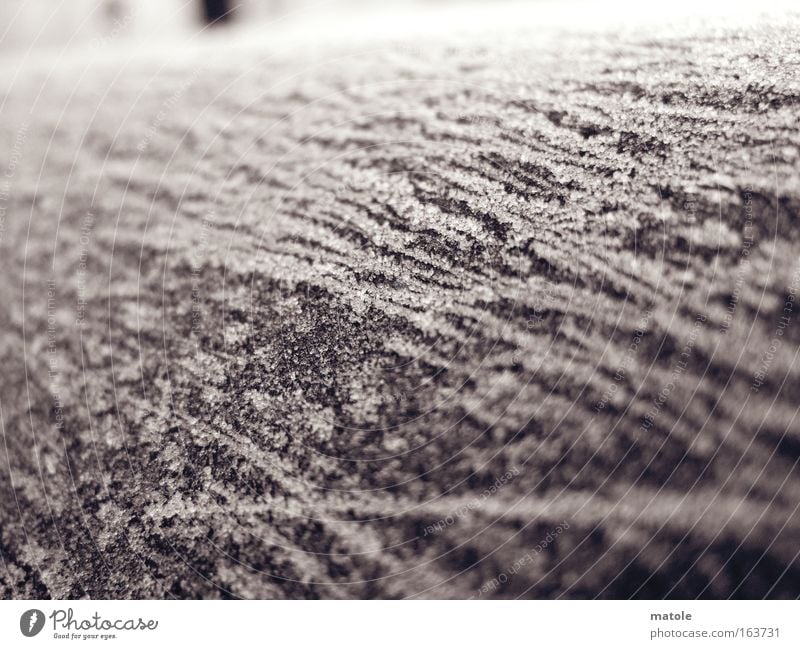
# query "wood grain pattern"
(376, 324)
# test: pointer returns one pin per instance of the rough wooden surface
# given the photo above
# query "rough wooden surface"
(484, 320)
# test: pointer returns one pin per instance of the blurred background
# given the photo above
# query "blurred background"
(41, 24)
(28, 24)
(61, 26)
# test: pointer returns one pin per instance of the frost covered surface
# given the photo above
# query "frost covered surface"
(278, 326)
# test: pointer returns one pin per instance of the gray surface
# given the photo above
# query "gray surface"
(328, 302)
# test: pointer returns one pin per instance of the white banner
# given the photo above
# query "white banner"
(389, 624)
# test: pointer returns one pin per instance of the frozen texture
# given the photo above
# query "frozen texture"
(272, 325)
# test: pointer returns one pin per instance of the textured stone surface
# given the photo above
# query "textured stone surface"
(273, 326)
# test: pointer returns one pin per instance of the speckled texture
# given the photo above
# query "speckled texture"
(401, 323)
